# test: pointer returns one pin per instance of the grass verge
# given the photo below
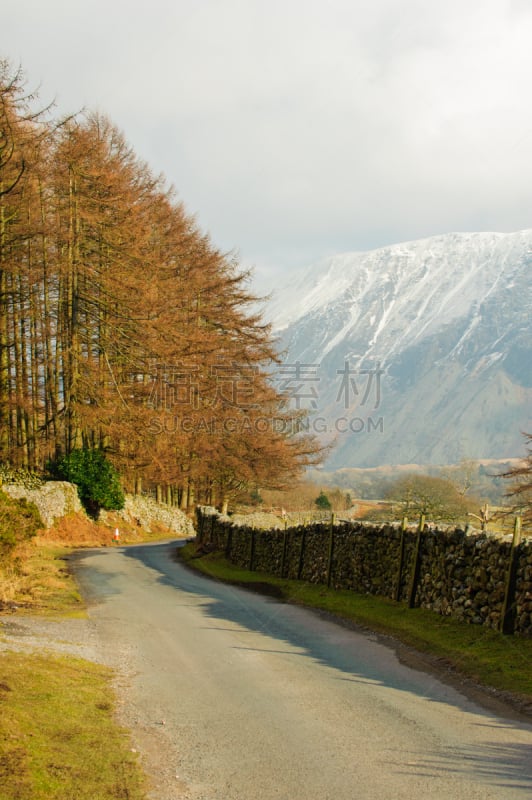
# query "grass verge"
(36, 578)
(58, 739)
(38, 581)
(480, 654)
(58, 736)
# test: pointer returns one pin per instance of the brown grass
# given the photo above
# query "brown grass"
(77, 530)
(35, 577)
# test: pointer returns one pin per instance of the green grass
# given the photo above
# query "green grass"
(58, 736)
(58, 739)
(481, 654)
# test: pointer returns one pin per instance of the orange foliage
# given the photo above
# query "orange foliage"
(124, 328)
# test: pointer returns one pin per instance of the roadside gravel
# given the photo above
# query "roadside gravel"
(79, 638)
(65, 636)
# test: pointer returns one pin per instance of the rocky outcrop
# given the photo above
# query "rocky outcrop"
(53, 499)
(144, 512)
(57, 499)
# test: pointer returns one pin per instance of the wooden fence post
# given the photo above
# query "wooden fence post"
(331, 552)
(301, 554)
(415, 566)
(229, 543)
(507, 622)
(201, 523)
(251, 549)
(404, 526)
(285, 551)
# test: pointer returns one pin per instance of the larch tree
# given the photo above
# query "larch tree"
(24, 136)
(122, 327)
(520, 478)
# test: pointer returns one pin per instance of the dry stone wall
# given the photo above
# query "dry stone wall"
(145, 512)
(53, 499)
(56, 499)
(475, 577)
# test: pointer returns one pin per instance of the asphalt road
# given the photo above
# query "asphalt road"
(230, 695)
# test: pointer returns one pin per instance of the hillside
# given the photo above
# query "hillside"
(414, 353)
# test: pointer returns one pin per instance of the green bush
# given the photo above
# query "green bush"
(322, 501)
(19, 521)
(97, 480)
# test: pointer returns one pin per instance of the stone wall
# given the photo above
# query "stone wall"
(145, 512)
(475, 577)
(56, 499)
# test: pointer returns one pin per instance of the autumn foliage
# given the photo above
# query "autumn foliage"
(122, 327)
(520, 478)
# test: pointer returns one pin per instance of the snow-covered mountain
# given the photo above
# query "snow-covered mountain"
(420, 352)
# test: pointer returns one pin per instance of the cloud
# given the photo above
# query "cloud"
(297, 129)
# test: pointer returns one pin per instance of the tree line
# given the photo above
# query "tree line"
(122, 327)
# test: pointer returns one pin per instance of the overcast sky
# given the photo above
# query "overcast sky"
(296, 129)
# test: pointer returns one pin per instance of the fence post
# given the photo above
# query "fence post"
(201, 522)
(229, 543)
(285, 551)
(404, 525)
(331, 552)
(251, 549)
(301, 555)
(507, 622)
(415, 565)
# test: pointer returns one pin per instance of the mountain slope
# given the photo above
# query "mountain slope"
(418, 352)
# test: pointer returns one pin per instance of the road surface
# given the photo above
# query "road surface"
(235, 696)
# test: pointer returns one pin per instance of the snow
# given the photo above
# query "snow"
(397, 295)
(445, 319)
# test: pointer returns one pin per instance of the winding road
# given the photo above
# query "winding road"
(234, 696)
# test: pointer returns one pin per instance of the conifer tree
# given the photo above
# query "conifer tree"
(122, 327)
(520, 477)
